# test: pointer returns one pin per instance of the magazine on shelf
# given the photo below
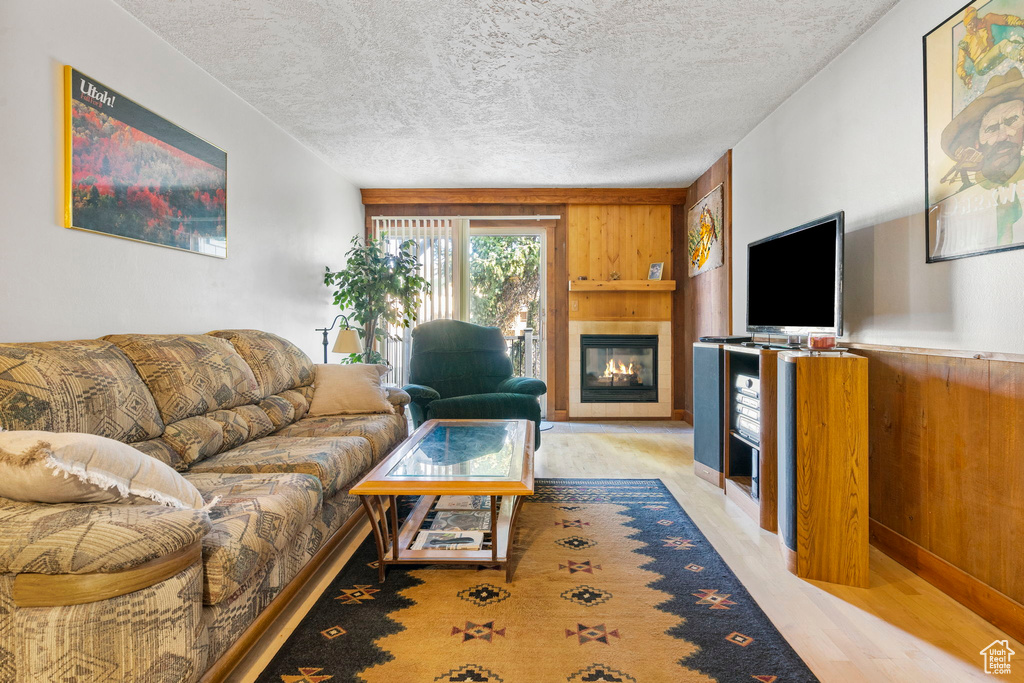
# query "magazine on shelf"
(448, 540)
(462, 520)
(463, 503)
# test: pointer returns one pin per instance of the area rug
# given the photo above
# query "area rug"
(613, 582)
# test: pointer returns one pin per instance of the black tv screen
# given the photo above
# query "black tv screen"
(795, 280)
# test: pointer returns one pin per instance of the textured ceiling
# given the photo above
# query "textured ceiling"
(507, 93)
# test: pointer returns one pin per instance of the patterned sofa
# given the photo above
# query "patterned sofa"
(226, 409)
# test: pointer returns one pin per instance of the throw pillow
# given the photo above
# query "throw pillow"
(349, 389)
(50, 467)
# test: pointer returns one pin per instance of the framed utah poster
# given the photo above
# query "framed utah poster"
(974, 130)
(131, 173)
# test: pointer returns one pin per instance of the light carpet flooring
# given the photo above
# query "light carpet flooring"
(900, 629)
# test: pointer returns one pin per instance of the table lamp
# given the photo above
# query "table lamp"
(347, 341)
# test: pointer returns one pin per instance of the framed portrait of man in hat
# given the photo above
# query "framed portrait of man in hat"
(974, 128)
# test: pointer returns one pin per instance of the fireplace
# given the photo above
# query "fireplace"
(618, 368)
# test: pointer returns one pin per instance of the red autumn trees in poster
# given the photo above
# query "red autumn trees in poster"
(128, 183)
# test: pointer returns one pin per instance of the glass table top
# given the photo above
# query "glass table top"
(464, 450)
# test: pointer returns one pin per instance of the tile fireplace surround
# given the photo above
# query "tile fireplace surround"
(661, 409)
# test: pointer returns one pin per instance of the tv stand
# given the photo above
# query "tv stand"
(730, 450)
(784, 433)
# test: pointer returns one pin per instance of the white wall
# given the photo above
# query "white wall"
(289, 214)
(853, 139)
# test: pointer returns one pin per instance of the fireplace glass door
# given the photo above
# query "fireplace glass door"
(619, 368)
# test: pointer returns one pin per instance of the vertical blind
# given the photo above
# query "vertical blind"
(436, 245)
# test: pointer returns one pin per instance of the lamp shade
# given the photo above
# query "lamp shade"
(347, 342)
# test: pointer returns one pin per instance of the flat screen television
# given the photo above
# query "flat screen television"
(795, 280)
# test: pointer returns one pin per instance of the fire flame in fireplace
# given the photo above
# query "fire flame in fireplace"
(615, 367)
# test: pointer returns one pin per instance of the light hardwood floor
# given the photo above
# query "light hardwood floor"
(899, 629)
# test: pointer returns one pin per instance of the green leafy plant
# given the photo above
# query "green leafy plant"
(382, 290)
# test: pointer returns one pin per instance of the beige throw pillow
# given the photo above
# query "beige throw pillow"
(49, 467)
(349, 390)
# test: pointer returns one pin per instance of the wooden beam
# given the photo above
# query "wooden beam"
(582, 195)
(53, 590)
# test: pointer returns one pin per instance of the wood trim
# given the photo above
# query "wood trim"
(622, 285)
(997, 608)
(708, 474)
(768, 462)
(947, 353)
(233, 656)
(54, 590)
(789, 557)
(739, 493)
(682, 416)
(558, 317)
(603, 195)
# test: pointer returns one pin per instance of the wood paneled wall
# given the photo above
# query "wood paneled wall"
(703, 304)
(947, 474)
(624, 239)
(557, 279)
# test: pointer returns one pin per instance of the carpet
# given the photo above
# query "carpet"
(613, 582)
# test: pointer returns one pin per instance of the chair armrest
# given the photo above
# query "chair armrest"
(398, 397)
(522, 385)
(421, 394)
(83, 538)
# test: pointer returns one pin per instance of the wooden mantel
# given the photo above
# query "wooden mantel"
(622, 285)
(536, 195)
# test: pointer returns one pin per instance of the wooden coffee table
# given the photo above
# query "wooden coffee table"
(489, 458)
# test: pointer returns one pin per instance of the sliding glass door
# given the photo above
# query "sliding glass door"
(488, 271)
(505, 289)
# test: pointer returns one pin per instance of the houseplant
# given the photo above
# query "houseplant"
(382, 290)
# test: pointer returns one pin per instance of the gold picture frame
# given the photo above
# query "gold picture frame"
(132, 174)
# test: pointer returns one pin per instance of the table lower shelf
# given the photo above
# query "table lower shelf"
(394, 548)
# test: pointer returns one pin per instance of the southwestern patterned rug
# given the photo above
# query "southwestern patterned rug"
(614, 582)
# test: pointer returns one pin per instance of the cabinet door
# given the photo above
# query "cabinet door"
(709, 406)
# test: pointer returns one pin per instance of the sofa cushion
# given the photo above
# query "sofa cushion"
(162, 451)
(190, 375)
(255, 519)
(76, 538)
(75, 386)
(277, 364)
(334, 461)
(384, 432)
(352, 389)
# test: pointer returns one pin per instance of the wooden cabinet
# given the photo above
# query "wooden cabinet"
(823, 466)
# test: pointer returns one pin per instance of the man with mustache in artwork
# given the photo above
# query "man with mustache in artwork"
(986, 140)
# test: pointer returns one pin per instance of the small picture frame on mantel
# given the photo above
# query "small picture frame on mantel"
(655, 271)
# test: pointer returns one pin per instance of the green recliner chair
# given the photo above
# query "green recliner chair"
(462, 371)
